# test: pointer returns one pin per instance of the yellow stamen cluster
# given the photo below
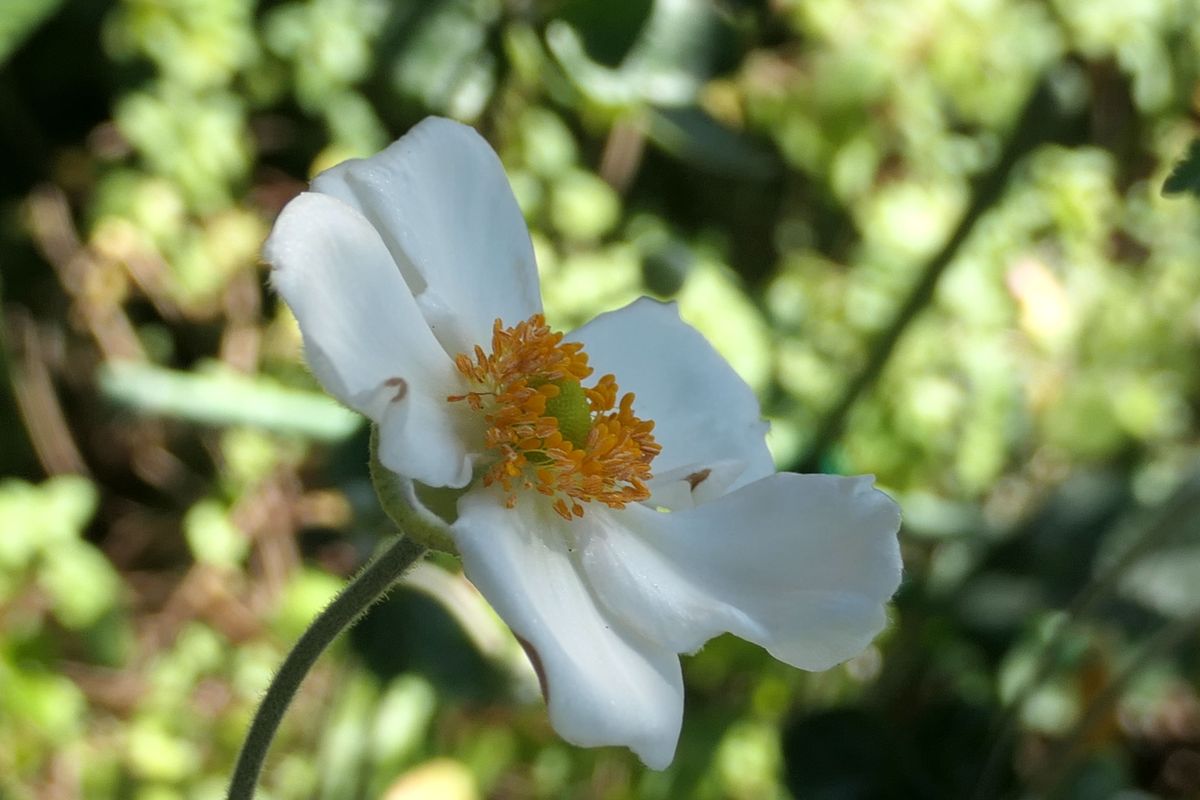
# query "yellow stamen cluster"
(549, 435)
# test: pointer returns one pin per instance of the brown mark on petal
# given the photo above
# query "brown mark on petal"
(698, 477)
(536, 661)
(400, 385)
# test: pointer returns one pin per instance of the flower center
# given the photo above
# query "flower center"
(547, 431)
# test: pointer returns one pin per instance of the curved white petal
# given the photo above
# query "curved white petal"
(442, 204)
(364, 337)
(605, 684)
(703, 412)
(800, 564)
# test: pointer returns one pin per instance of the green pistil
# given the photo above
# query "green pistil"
(570, 407)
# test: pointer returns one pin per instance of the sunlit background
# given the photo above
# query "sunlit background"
(929, 234)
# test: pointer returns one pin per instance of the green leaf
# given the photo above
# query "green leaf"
(224, 398)
(38, 519)
(81, 582)
(44, 702)
(19, 20)
(212, 537)
(1186, 175)
(691, 134)
(584, 206)
(155, 754)
(608, 30)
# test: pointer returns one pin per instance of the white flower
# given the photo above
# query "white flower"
(414, 283)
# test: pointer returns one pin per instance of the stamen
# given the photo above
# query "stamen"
(550, 434)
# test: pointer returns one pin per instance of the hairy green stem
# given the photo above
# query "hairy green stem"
(367, 587)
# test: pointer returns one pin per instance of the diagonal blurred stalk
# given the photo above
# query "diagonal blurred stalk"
(1042, 121)
(1182, 506)
(1062, 757)
(360, 594)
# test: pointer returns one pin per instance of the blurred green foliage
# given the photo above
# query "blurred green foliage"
(179, 499)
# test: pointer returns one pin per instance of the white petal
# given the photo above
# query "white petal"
(800, 564)
(441, 201)
(364, 337)
(703, 411)
(605, 684)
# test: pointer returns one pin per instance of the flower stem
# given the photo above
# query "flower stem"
(368, 586)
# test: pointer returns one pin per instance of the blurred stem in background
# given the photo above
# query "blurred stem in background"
(1042, 121)
(1157, 528)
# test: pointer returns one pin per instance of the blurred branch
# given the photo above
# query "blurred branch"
(1062, 758)
(37, 401)
(1181, 508)
(623, 151)
(241, 340)
(1042, 121)
(81, 275)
